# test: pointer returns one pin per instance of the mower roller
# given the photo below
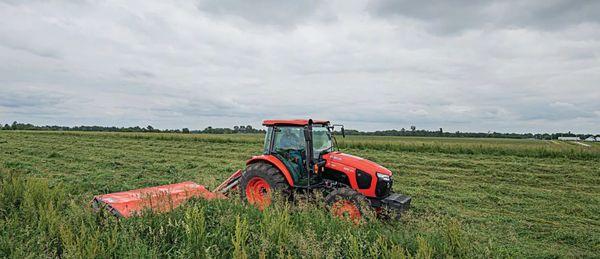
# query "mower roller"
(299, 156)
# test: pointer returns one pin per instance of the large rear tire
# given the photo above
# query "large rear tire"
(261, 182)
(346, 203)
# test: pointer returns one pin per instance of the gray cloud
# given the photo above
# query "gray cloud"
(500, 66)
(457, 16)
(31, 102)
(41, 52)
(557, 111)
(20, 99)
(136, 73)
(268, 12)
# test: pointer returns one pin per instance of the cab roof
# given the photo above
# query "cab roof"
(292, 122)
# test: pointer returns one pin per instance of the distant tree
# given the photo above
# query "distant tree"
(249, 128)
(441, 130)
(6, 126)
(185, 130)
(236, 128)
(413, 128)
(150, 128)
(14, 125)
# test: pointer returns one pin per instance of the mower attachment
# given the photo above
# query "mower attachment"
(230, 184)
(159, 199)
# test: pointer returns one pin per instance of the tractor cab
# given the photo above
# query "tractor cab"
(300, 146)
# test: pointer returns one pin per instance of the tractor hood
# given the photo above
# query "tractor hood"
(355, 162)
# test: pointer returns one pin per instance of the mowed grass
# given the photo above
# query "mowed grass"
(471, 198)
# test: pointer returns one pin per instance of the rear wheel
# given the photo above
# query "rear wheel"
(347, 204)
(261, 182)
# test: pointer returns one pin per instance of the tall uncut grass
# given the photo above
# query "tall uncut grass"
(37, 220)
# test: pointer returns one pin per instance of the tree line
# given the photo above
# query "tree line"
(28, 126)
(413, 131)
(459, 134)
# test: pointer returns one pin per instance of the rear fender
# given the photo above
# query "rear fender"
(275, 162)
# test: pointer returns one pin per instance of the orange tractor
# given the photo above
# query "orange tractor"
(299, 156)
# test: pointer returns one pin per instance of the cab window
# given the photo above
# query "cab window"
(267, 140)
(289, 138)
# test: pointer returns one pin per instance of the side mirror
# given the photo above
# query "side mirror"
(341, 129)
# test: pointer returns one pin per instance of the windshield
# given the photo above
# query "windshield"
(321, 140)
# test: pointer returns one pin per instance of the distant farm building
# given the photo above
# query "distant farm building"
(591, 138)
(569, 138)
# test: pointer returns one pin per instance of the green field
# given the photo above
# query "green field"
(471, 198)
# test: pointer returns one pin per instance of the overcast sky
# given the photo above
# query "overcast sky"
(507, 66)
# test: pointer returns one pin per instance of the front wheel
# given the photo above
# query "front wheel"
(348, 204)
(261, 182)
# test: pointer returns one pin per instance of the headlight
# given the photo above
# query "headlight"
(384, 177)
(384, 185)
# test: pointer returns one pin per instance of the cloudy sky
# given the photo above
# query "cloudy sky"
(508, 66)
